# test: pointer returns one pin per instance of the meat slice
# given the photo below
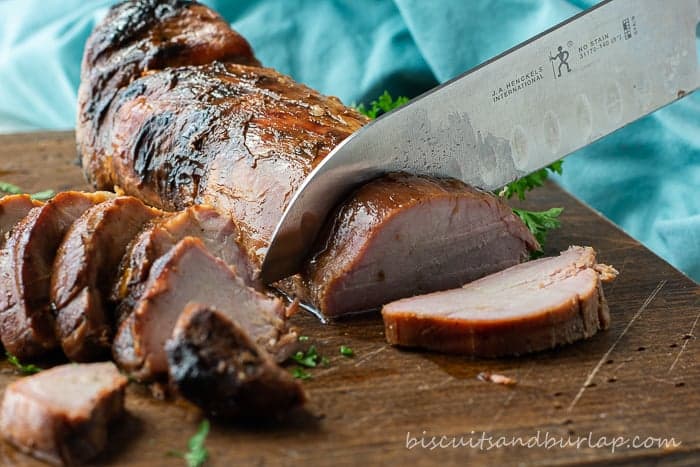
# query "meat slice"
(214, 363)
(62, 415)
(85, 269)
(218, 233)
(530, 307)
(188, 273)
(26, 320)
(403, 235)
(14, 208)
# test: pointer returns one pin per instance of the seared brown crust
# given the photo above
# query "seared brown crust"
(237, 137)
(218, 233)
(383, 241)
(527, 321)
(84, 271)
(26, 321)
(36, 418)
(214, 363)
(189, 273)
(14, 208)
(137, 37)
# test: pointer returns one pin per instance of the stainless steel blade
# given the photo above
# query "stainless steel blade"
(517, 113)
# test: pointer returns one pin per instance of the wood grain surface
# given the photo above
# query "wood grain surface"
(638, 379)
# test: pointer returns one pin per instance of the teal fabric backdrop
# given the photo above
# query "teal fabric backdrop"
(645, 177)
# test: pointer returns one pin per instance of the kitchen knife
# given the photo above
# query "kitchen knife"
(512, 115)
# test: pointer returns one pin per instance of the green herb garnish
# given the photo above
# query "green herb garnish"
(300, 373)
(197, 453)
(10, 189)
(383, 104)
(540, 222)
(303, 338)
(309, 359)
(24, 369)
(346, 351)
(527, 183)
(43, 195)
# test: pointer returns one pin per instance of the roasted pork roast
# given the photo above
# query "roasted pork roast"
(174, 109)
(62, 415)
(533, 306)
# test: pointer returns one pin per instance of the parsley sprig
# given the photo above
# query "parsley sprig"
(197, 453)
(10, 189)
(540, 222)
(300, 373)
(29, 369)
(528, 182)
(383, 104)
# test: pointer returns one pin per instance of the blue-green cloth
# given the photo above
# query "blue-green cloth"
(645, 177)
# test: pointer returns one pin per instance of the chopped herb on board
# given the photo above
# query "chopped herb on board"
(309, 359)
(24, 369)
(346, 351)
(10, 189)
(300, 373)
(197, 452)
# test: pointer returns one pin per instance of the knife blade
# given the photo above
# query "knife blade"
(512, 115)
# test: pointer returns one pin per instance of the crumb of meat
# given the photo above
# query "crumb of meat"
(496, 378)
(605, 272)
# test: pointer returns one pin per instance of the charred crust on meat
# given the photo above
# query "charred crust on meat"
(217, 366)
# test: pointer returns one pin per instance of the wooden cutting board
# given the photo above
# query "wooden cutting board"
(640, 378)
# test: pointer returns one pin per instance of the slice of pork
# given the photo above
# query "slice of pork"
(26, 320)
(14, 208)
(533, 306)
(218, 233)
(61, 415)
(214, 363)
(189, 273)
(85, 269)
(402, 235)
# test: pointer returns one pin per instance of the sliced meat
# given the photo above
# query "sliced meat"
(85, 269)
(218, 233)
(26, 320)
(14, 208)
(534, 306)
(62, 415)
(215, 363)
(403, 235)
(188, 273)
